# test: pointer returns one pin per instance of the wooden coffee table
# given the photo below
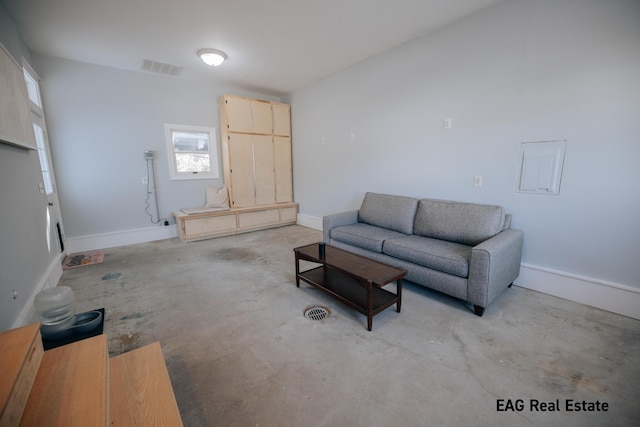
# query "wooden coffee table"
(351, 279)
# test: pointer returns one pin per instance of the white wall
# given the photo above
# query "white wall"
(518, 71)
(27, 262)
(100, 122)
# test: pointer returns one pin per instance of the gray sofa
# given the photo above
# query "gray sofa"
(465, 250)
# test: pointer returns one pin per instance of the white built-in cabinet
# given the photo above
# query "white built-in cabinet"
(16, 127)
(246, 115)
(256, 158)
(256, 151)
(281, 119)
(282, 166)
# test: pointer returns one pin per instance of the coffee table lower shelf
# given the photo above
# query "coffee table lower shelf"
(364, 297)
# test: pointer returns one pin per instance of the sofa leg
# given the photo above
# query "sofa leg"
(510, 285)
(478, 310)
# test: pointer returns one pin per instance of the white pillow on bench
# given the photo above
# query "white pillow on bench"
(217, 200)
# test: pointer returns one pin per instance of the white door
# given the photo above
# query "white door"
(55, 229)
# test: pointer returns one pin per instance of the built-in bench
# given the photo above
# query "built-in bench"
(205, 225)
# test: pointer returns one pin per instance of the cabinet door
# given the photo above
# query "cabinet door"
(248, 115)
(15, 116)
(264, 169)
(281, 119)
(261, 120)
(241, 187)
(283, 169)
(238, 114)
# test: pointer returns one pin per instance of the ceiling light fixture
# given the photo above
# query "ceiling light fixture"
(212, 57)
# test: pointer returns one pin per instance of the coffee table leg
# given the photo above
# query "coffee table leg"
(369, 305)
(297, 270)
(399, 292)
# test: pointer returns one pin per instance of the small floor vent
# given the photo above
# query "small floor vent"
(316, 312)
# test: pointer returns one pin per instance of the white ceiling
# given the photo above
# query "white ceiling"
(273, 46)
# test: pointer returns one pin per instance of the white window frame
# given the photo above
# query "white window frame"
(214, 172)
(39, 127)
(33, 86)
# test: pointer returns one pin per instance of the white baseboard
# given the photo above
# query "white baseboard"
(50, 278)
(614, 297)
(310, 221)
(119, 238)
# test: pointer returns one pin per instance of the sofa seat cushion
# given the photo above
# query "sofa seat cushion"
(387, 211)
(441, 255)
(364, 236)
(464, 223)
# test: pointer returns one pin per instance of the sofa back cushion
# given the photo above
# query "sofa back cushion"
(387, 211)
(465, 223)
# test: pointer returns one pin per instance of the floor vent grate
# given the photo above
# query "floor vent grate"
(316, 312)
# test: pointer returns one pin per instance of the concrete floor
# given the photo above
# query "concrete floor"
(240, 352)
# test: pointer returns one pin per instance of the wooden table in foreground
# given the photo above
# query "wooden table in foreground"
(351, 279)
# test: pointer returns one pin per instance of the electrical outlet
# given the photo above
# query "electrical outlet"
(447, 123)
(477, 181)
(145, 180)
(352, 137)
(15, 294)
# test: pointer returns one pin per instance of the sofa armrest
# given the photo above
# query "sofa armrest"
(336, 220)
(494, 265)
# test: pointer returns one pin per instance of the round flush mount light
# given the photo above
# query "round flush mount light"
(212, 57)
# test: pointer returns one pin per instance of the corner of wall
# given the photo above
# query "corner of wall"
(49, 279)
(310, 221)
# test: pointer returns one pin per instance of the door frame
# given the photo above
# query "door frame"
(56, 232)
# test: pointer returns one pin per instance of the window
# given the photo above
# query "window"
(44, 158)
(33, 88)
(193, 152)
(37, 117)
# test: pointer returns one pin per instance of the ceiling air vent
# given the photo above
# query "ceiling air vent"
(161, 68)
